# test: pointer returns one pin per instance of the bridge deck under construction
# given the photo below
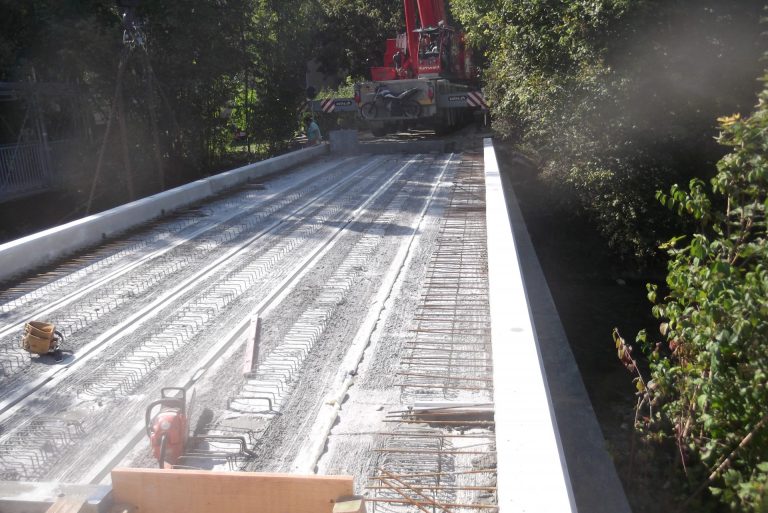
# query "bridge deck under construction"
(354, 312)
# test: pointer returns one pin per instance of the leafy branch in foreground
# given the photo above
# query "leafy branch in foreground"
(709, 376)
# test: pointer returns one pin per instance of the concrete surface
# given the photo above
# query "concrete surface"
(551, 454)
(344, 142)
(38, 249)
(37, 497)
(410, 147)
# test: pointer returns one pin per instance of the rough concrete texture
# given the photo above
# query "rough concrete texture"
(256, 253)
(343, 142)
(46, 246)
(38, 497)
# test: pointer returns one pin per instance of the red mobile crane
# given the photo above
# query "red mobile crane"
(426, 75)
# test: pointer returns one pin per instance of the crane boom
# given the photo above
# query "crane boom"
(411, 35)
(431, 12)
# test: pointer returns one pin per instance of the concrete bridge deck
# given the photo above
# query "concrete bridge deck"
(433, 222)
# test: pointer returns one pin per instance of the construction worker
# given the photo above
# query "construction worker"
(313, 131)
(397, 60)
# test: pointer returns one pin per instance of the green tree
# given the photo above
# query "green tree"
(350, 34)
(55, 40)
(198, 60)
(195, 53)
(709, 378)
(616, 98)
(283, 46)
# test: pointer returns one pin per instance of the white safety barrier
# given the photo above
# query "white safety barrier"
(551, 451)
(49, 245)
(532, 475)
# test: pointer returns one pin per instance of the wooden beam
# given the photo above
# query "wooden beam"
(197, 491)
(67, 505)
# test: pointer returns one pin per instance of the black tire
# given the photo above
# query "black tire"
(411, 109)
(369, 110)
(378, 130)
(163, 447)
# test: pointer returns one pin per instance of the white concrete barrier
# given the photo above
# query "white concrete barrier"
(41, 248)
(532, 475)
(551, 451)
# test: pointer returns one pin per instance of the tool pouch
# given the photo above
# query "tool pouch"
(39, 337)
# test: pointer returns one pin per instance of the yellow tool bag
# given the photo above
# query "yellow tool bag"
(40, 337)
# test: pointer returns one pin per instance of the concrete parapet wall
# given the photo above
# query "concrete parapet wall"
(532, 475)
(537, 384)
(344, 142)
(41, 248)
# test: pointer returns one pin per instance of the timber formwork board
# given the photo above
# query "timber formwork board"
(196, 491)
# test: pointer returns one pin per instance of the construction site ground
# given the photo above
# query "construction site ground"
(368, 276)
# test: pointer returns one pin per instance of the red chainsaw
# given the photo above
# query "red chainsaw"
(167, 425)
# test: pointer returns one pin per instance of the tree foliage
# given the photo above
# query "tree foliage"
(198, 60)
(56, 40)
(617, 99)
(351, 34)
(709, 378)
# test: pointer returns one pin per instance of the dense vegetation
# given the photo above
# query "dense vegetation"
(707, 386)
(198, 85)
(190, 76)
(617, 100)
(351, 33)
(708, 379)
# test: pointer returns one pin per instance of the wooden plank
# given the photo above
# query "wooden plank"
(197, 491)
(66, 505)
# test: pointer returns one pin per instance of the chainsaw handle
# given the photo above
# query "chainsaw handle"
(180, 395)
(168, 401)
(56, 340)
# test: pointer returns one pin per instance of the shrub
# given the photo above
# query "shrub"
(616, 99)
(708, 386)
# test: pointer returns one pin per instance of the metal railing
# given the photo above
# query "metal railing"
(24, 170)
